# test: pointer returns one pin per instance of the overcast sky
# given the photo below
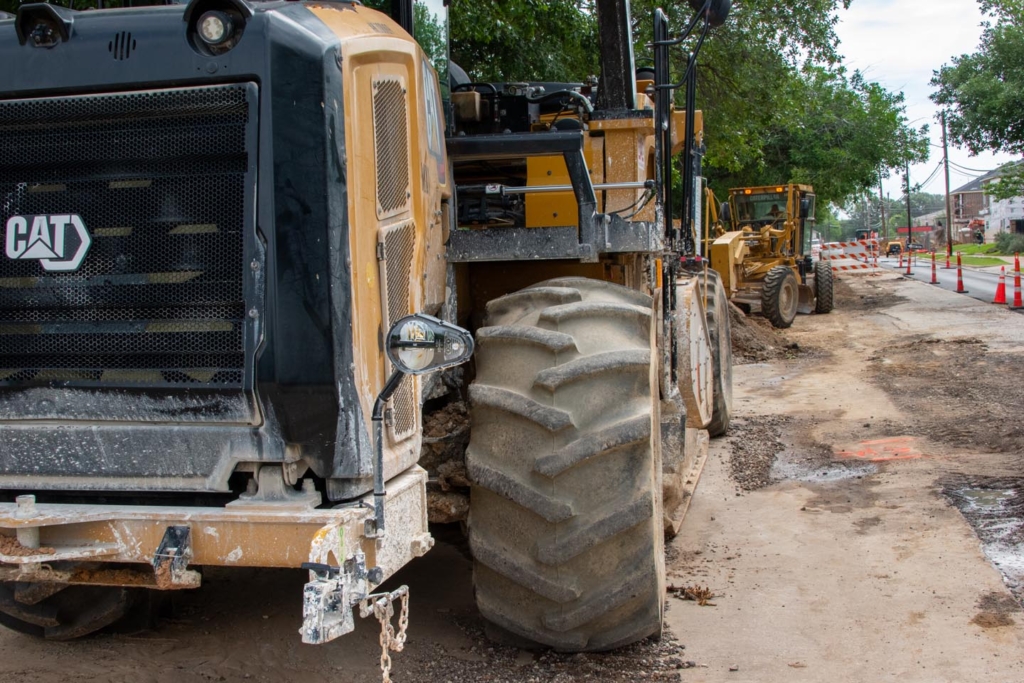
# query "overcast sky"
(899, 43)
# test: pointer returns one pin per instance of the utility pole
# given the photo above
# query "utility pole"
(881, 208)
(867, 214)
(949, 210)
(910, 231)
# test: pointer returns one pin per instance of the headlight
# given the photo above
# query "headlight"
(215, 28)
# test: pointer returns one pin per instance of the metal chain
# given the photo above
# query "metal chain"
(384, 611)
(403, 623)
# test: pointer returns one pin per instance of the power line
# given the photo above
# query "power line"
(965, 174)
(969, 170)
(935, 172)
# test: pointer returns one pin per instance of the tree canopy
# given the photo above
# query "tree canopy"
(525, 40)
(983, 92)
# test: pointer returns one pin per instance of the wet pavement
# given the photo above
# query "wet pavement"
(995, 510)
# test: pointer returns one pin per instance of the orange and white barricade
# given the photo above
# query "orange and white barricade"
(857, 257)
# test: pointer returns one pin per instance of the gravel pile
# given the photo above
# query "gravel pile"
(754, 442)
(486, 662)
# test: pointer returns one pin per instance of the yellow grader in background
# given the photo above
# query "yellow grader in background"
(764, 259)
(233, 227)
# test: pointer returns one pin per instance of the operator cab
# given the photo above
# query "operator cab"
(772, 207)
(759, 210)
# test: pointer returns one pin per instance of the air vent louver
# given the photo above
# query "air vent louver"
(122, 46)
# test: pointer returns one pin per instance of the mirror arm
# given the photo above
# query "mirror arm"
(688, 30)
(378, 456)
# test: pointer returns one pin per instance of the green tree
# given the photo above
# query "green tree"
(525, 40)
(834, 133)
(781, 108)
(983, 92)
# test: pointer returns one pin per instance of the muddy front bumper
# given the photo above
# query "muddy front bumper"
(158, 547)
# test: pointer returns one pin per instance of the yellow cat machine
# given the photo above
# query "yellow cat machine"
(232, 228)
(764, 260)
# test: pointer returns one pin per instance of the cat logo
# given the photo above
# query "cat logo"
(60, 241)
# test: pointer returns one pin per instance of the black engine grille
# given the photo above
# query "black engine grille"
(159, 180)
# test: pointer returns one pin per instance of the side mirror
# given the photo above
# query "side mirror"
(717, 10)
(805, 208)
(726, 213)
(418, 344)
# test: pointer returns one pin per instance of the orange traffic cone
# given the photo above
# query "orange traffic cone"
(901, 258)
(908, 265)
(935, 276)
(959, 275)
(1000, 297)
(949, 250)
(1016, 283)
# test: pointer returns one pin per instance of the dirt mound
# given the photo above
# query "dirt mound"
(754, 340)
(445, 435)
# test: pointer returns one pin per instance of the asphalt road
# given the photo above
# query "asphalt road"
(980, 285)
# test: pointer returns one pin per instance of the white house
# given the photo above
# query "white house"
(1003, 215)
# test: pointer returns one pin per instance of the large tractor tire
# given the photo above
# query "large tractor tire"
(780, 296)
(720, 331)
(69, 613)
(565, 520)
(824, 287)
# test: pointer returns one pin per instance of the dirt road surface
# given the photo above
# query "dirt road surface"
(863, 522)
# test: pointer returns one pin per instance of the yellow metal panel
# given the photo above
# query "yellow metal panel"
(679, 126)
(555, 209)
(373, 47)
(727, 253)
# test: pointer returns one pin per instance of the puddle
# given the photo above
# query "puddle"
(986, 500)
(995, 510)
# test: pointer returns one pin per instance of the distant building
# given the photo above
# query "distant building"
(1002, 215)
(974, 210)
(933, 218)
(969, 204)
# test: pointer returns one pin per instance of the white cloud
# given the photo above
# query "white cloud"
(900, 43)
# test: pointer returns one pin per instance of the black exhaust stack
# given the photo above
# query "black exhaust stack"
(618, 72)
